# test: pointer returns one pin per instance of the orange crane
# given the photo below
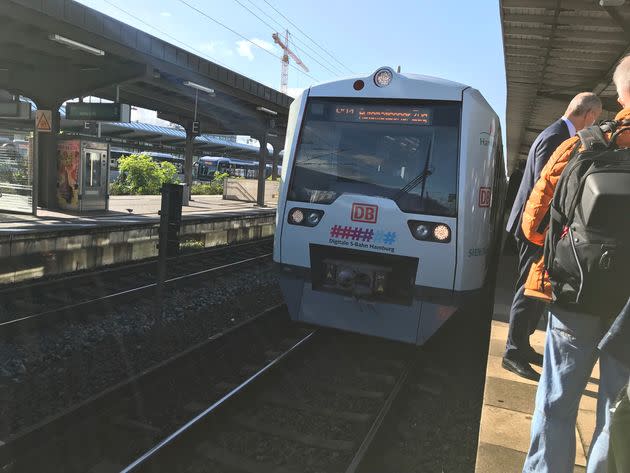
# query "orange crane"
(284, 77)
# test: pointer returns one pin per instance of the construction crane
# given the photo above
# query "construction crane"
(284, 77)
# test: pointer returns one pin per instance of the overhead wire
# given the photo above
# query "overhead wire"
(312, 40)
(273, 28)
(201, 12)
(298, 39)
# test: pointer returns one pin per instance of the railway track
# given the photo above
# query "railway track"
(32, 306)
(106, 431)
(315, 408)
(267, 395)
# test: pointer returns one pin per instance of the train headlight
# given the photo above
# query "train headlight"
(313, 218)
(296, 216)
(383, 77)
(442, 233)
(422, 231)
(305, 217)
(430, 231)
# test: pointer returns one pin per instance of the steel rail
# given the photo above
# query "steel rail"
(47, 428)
(38, 316)
(378, 421)
(19, 287)
(151, 453)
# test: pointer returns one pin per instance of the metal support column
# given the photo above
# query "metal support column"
(188, 165)
(47, 159)
(262, 164)
(274, 166)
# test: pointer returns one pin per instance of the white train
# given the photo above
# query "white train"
(390, 209)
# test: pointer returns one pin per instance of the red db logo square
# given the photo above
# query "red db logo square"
(485, 194)
(364, 213)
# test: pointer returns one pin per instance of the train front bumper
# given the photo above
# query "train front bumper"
(415, 320)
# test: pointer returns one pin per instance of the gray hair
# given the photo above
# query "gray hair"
(583, 103)
(621, 77)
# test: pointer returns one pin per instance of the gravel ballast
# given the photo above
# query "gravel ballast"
(44, 373)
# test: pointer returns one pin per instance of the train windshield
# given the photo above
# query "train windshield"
(407, 152)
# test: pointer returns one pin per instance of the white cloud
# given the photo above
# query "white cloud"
(245, 48)
(165, 13)
(263, 44)
(294, 91)
(215, 47)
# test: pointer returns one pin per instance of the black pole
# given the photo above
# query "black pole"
(168, 245)
(262, 167)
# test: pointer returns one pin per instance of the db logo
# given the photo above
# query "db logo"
(485, 195)
(364, 213)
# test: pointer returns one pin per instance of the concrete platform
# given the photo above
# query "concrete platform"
(508, 402)
(122, 210)
(54, 243)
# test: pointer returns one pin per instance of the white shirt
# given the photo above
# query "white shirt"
(570, 125)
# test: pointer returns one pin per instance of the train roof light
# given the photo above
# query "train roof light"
(75, 45)
(203, 88)
(383, 77)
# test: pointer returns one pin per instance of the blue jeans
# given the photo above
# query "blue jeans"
(570, 354)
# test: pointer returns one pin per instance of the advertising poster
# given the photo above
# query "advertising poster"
(68, 153)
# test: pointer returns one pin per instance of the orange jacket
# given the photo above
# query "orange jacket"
(537, 284)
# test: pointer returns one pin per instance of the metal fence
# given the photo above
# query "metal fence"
(16, 172)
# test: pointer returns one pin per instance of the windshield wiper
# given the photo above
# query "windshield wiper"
(411, 184)
(418, 179)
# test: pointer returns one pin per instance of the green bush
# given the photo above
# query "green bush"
(139, 174)
(214, 187)
(118, 188)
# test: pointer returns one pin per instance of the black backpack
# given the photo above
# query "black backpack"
(587, 247)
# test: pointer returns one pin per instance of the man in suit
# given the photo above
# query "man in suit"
(525, 313)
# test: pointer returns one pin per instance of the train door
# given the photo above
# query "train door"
(94, 179)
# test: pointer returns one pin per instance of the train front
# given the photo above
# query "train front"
(367, 215)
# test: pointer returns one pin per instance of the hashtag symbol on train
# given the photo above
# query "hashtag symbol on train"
(362, 234)
(387, 238)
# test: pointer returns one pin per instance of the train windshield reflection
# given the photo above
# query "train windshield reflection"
(382, 155)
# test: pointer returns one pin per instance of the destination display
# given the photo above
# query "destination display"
(112, 112)
(384, 114)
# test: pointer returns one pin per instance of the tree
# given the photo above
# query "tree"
(139, 174)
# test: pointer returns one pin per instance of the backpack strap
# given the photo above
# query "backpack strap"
(618, 128)
(593, 138)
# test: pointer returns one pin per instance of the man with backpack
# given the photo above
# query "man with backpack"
(583, 111)
(579, 210)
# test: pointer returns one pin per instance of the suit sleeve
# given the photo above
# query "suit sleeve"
(544, 152)
(537, 205)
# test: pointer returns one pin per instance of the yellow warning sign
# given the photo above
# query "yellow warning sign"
(43, 121)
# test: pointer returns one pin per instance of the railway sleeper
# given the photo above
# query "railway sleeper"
(323, 411)
(238, 462)
(294, 435)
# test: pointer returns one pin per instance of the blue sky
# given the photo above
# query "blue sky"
(458, 40)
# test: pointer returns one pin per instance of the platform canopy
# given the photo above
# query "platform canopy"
(553, 50)
(40, 61)
(159, 138)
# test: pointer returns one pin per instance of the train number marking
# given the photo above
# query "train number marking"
(485, 195)
(364, 213)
